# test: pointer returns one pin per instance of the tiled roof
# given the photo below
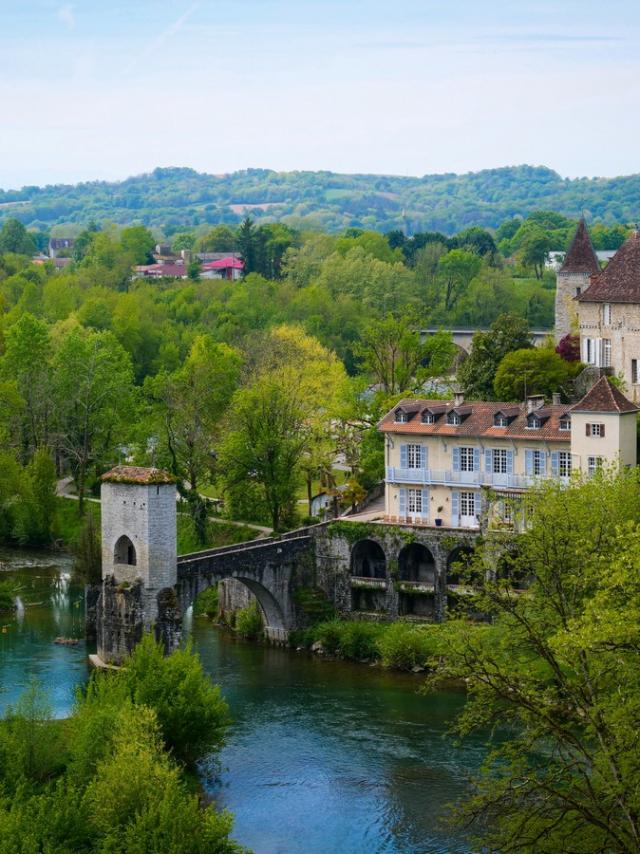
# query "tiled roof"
(620, 279)
(224, 263)
(581, 257)
(137, 475)
(479, 421)
(604, 397)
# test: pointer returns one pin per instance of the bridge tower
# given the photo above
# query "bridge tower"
(139, 563)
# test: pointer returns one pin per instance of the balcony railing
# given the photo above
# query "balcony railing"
(447, 477)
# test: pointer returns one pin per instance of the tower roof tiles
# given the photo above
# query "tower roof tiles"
(620, 279)
(604, 397)
(581, 257)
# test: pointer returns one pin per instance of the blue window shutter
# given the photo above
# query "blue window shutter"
(403, 457)
(425, 457)
(455, 509)
(528, 462)
(478, 504)
(488, 460)
(403, 502)
(425, 503)
(476, 459)
(509, 462)
(456, 459)
(555, 463)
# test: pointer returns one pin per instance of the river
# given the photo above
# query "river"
(323, 756)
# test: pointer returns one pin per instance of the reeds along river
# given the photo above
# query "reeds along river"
(323, 757)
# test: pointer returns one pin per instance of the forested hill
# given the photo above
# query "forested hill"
(179, 196)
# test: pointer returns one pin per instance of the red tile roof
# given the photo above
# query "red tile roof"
(604, 397)
(224, 264)
(620, 279)
(479, 421)
(137, 475)
(581, 257)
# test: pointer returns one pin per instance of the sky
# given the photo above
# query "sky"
(104, 89)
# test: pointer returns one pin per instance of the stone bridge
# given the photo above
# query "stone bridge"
(373, 569)
(267, 567)
(370, 570)
(463, 337)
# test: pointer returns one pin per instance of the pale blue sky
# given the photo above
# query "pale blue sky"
(109, 88)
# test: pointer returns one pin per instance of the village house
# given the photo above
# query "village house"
(444, 458)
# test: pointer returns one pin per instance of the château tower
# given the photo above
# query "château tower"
(580, 263)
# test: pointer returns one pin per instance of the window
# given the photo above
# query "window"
(578, 291)
(414, 456)
(467, 504)
(606, 314)
(507, 511)
(634, 370)
(565, 423)
(589, 351)
(499, 461)
(401, 417)
(500, 421)
(593, 465)
(596, 430)
(428, 418)
(466, 459)
(538, 462)
(414, 501)
(564, 463)
(606, 352)
(533, 422)
(124, 552)
(454, 418)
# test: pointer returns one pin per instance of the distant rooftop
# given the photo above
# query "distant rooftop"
(581, 257)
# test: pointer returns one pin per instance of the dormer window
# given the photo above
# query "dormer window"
(565, 423)
(500, 420)
(533, 422)
(428, 418)
(454, 419)
(401, 416)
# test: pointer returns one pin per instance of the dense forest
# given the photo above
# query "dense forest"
(176, 197)
(252, 391)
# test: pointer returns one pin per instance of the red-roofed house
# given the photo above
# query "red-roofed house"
(230, 267)
(444, 458)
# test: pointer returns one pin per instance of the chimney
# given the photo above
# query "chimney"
(534, 401)
(556, 398)
(458, 397)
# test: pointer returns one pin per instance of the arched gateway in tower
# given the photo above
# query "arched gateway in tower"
(139, 565)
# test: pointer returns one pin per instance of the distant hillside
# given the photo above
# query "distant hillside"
(183, 197)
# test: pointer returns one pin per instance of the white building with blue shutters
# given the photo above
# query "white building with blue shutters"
(443, 458)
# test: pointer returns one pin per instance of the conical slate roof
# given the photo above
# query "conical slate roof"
(604, 397)
(581, 257)
(620, 279)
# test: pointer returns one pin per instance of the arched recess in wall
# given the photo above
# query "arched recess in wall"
(125, 552)
(368, 560)
(458, 563)
(416, 563)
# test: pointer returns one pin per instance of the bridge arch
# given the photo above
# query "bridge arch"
(368, 560)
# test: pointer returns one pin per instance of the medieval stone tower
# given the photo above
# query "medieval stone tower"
(138, 561)
(572, 279)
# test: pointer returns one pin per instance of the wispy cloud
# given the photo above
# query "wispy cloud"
(160, 40)
(553, 38)
(66, 15)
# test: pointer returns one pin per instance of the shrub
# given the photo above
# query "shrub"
(404, 646)
(358, 640)
(249, 622)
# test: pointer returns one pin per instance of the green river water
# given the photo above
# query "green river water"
(323, 756)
